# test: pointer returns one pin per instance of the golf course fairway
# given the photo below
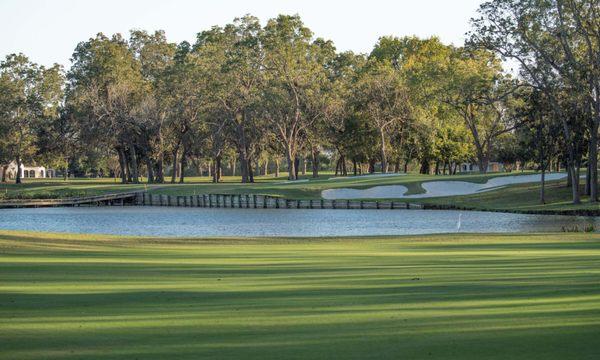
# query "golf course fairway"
(419, 297)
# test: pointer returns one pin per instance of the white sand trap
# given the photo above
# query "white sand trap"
(436, 188)
(365, 176)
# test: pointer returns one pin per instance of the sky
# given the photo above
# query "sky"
(47, 31)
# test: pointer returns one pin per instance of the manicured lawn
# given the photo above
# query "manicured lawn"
(523, 197)
(267, 185)
(428, 297)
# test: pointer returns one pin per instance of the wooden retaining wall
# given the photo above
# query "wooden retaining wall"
(106, 199)
(248, 201)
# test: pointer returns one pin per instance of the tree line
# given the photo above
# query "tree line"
(244, 96)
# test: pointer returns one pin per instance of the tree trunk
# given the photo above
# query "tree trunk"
(216, 171)
(575, 183)
(18, 175)
(354, 167)
(291, 160)
(4, 170)
(304, 165)
(296, 167)
(266, 167)
(175, 162)
(250, 171)
(182, 167)
(277, 164)
(593, 162)
(150, 166)
(383, 155)
(243, 164)
(371, 166)
(482, 162)
(424, 166)
(543, 187)
(134, 164)
(315, 162)
(122, 164)
(588, 179)
(160, 174)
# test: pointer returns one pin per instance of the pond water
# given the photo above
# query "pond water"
(199, 222)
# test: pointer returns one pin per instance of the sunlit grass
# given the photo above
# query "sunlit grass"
(519, 197)
(439, 297)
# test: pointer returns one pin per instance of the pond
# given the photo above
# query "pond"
(200, 222)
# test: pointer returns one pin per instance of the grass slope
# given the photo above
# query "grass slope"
(521, 197)
(428, 297)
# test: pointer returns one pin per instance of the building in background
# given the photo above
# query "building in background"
(36, 172)
(470, 167)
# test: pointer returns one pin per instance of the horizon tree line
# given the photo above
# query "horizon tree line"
(248, 95)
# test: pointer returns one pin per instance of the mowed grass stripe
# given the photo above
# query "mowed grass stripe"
(434, 297)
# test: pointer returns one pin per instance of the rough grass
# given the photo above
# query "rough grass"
(427, 297)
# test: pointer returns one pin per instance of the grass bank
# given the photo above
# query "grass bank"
(306, 188)
(433, 297)
(516, 198)
(522, 198)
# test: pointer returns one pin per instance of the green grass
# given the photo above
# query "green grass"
(426, 297)
(521, 197)
(266, 185)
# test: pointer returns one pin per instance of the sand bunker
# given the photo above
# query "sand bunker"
(435, 188)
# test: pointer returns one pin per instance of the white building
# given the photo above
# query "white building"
(470, 167)
(37, 172)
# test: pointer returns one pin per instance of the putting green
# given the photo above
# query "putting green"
(430, 297)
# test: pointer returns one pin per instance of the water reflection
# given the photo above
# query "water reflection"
(198, 222)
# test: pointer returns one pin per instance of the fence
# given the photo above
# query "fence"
(252, 201)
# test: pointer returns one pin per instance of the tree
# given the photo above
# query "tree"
(382, 98)
(556, 45)
(31, 94)
(155, 56)
(478, 91)
(237, 83)
(292, 67)
(106, 87)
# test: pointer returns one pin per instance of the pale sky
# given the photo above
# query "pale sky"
(48, 30)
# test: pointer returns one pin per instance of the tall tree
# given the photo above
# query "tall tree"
(237, 83)
(155, 56)
(478, 91)
(31, 95)
(292, 67)
(557, 45)
(106, 87)
(382, 98)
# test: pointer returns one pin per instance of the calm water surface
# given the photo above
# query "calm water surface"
(156, 221)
